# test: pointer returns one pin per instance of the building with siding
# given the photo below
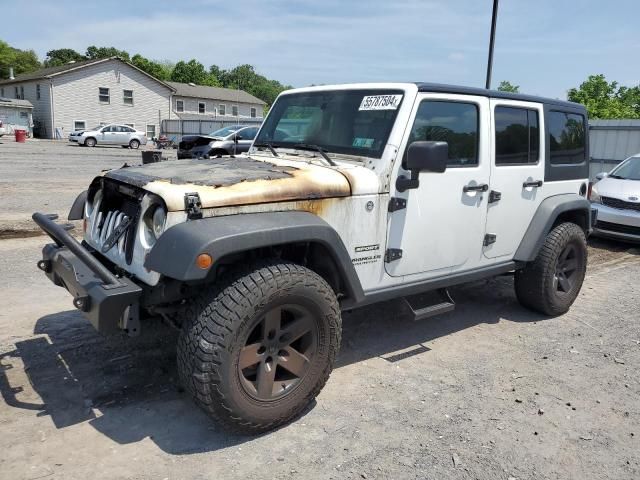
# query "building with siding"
(194, 102)
(16, 115)
(85, 94)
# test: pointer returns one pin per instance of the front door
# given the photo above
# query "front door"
(442, 228)
(517, 173)
(108, 135)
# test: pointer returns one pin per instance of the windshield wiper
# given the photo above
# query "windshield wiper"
(269, 146)
(316, 148)
(613, 175)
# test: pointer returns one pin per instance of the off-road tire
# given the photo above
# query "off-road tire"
(134, 144)
(90, 142)
(535, 285)
(216, 323)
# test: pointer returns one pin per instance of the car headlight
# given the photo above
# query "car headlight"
(154, 221)
(594, 196)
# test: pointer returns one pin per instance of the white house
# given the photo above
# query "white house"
(85, 94)
(192, 102)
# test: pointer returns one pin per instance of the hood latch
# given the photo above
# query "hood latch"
(193, 205)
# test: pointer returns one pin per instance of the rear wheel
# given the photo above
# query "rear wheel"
(255, 351)
(134, 144)
(551, 283)
(90, 142)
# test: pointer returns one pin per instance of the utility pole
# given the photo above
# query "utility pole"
(494, 18)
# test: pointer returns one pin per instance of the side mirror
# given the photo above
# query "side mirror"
(237, 137)
(602, 175)
(428, 156)
(423, 157)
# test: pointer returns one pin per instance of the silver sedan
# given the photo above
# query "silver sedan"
(616, 196)
(113, 134)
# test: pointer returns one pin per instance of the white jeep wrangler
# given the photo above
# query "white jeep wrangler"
(350, 195)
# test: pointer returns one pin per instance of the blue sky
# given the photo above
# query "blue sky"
(545, 46)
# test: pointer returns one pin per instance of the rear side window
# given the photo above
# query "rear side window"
(517, 136)
(566, 138)
(453, 122)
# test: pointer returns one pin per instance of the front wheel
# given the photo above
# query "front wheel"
(551, 283)
(90, 142)
(256, 350)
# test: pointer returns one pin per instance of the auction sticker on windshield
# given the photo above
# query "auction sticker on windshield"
(380, 102)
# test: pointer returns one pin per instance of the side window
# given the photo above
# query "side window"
(566, 138)
(453, 122)
(517, 136)
(249, 133)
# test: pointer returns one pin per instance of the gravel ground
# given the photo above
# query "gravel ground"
(47, 175)
(489, 391)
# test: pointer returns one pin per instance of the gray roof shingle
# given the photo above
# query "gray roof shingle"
(214, 93)
(15, 103)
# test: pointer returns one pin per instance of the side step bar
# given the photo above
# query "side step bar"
(428, 304)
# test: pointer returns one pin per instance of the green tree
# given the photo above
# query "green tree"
(605, 99)
(153, 68)
(193, 72)
(94, 52)
(246, 78)
(22, 61)
(62, 56)
(506, 86)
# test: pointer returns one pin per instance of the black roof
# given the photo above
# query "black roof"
(441, 88)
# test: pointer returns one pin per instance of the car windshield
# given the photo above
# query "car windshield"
(627, 170)
(223, 132)
(352, 122)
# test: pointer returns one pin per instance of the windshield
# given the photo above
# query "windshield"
(353, 122)
(627, 170)
(223, 132)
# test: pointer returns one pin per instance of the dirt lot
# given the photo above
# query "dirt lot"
(489, 391)
(48, 175)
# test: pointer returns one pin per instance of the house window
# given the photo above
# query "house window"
(17, 92)
(38, 91)
(234, 110)
(254, 113)
(103, 95)
(127, 97)
(2, 92)
(517, 136)
(24, 115)
(222, 109)
(21, 92)
(151, 131)
(79, 125)
(202, 107)
(179, 105)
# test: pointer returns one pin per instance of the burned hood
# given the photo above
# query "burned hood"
(223, 182)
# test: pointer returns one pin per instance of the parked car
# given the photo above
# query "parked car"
(226, 141)
(110, 135)
(379, 191)
(616, 196)
(2, 130)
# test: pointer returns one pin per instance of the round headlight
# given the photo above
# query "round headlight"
(153, 221)
(158, 220)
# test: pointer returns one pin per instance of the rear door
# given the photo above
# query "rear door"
(517, 173)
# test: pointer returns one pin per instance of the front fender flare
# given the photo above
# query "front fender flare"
(174, 254)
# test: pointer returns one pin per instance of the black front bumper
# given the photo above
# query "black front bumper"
(110, 303)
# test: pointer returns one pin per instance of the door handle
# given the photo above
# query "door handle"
(535, 184)
(483, 187)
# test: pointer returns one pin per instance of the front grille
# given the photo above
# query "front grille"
(618, 228)
(104, 225)
(621, 204)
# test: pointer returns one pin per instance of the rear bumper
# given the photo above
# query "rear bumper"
(110, 303)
